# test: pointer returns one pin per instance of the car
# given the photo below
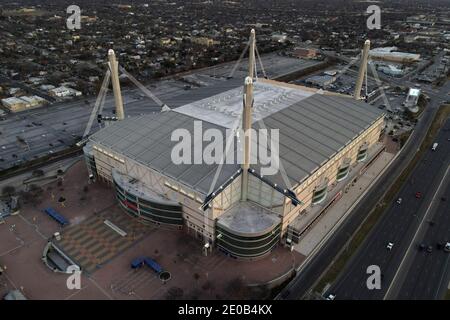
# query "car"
(331, 296)
(443, 199)
(422, 246)
(447, 247)
(389, 246)
(399, 200)
(418, 194)
(430, 249)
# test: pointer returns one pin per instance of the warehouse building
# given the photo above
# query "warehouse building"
(390, 54)
(15, 104)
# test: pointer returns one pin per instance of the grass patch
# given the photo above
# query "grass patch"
(447, 295)
(404, 137)
(339, 263)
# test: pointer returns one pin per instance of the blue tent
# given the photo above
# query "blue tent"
(137, 263)
(153, 265)
(55, 215)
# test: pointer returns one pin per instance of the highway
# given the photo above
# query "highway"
(398, 225)
(428, 274)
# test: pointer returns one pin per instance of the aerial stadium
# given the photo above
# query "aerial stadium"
(325, 141)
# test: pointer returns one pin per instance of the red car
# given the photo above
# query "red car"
(418, 195)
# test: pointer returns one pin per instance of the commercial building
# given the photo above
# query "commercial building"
(305, 53)
(321, 81)
(14, 104)
(64, 91)
(204, 41)
(411, 99)
(390, 70)
(235, 208)
(33, 101)
(390, 54)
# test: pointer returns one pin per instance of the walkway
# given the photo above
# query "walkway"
(317, 232)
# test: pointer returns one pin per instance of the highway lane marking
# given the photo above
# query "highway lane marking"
(415, 235)
(423, 266)
(442, 278)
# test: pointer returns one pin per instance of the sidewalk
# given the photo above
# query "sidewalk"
(319, 230)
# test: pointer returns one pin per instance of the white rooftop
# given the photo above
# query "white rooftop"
(414, 92)
(12, 100)
(224, 108)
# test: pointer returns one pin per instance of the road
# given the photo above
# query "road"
(58, 126)
(310, 273)
(397, 225)
(49, 169)
(425, 275)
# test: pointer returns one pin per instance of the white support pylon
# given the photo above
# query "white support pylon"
(246, 126)
(251, 55)
(114, 67)
(98, 103)
(362, 70)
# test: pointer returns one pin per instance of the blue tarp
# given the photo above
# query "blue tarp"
(153, 265)
(149, 262)
(55, 215)
(137, 263)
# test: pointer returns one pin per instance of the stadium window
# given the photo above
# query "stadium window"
(320, 192)
(362, 152)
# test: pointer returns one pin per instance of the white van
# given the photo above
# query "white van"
(434, 147)
(447, 247)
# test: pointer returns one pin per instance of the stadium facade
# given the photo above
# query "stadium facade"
(322, 136)
(325, 141)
